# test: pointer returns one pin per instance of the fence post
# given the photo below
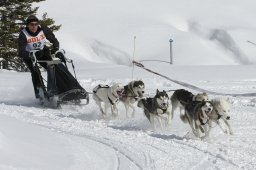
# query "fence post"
(171, 56)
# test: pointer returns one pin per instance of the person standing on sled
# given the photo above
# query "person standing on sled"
(34, 37)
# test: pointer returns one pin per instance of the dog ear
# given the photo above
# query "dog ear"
(157, 91)
(165, 93)
(134, 84)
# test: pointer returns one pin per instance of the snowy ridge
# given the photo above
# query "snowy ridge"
(204, 32)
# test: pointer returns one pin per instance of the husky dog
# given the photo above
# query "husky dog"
(109, 95)
(155, 107)
(196, 114)
(132, 92)
(181, 98)
(220, 114)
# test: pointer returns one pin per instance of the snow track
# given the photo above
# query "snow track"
(90, 142)
(138, 149)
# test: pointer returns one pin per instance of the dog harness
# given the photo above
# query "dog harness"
(99, 87)
(126, 88)
(197, 104)
(105, 86)
(112, 101)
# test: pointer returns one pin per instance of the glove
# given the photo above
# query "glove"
(53, 51)
(60, 56)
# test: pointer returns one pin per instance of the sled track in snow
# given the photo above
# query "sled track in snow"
(206, 152)
(212, 155)
(126, 150)
(109, 144)
(139, 154)
(119, 150)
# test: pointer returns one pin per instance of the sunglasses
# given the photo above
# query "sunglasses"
(33, 24)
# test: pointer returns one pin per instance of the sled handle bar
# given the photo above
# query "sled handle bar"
(63, 52)
(66, 59)
(34, 56)
(35, 60)
(43, 61)
(54, 61)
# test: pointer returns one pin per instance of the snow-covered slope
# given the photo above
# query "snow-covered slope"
(204, 31)
(76, 137)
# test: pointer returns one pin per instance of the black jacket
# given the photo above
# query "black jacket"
(22, 41)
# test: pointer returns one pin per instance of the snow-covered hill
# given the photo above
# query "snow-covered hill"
(76, 137)
(204, 31)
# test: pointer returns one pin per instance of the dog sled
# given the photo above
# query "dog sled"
(61, 86)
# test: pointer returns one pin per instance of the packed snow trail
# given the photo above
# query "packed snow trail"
(122, 143)
(139, 149)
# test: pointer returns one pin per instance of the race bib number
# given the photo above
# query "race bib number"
(35, 43)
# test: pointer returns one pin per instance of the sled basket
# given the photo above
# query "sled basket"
(61, 84)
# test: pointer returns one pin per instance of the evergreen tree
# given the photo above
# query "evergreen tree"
(13, 15)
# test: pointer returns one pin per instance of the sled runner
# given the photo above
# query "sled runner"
(62, 87)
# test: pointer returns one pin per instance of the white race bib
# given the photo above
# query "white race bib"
(35, 43)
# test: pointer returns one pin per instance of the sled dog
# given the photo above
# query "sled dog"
(133, 91)
(155, 107)
(181, 98)
(196, 114)
(220, 114)
(109, 95)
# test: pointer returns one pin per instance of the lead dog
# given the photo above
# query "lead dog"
(181, 98)
(155, 107)
(109, 95)
(220, 114)
(196, 114)
(133, 91)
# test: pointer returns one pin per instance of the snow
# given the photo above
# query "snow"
(77, 137)
(210, 52)
(210, 32)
